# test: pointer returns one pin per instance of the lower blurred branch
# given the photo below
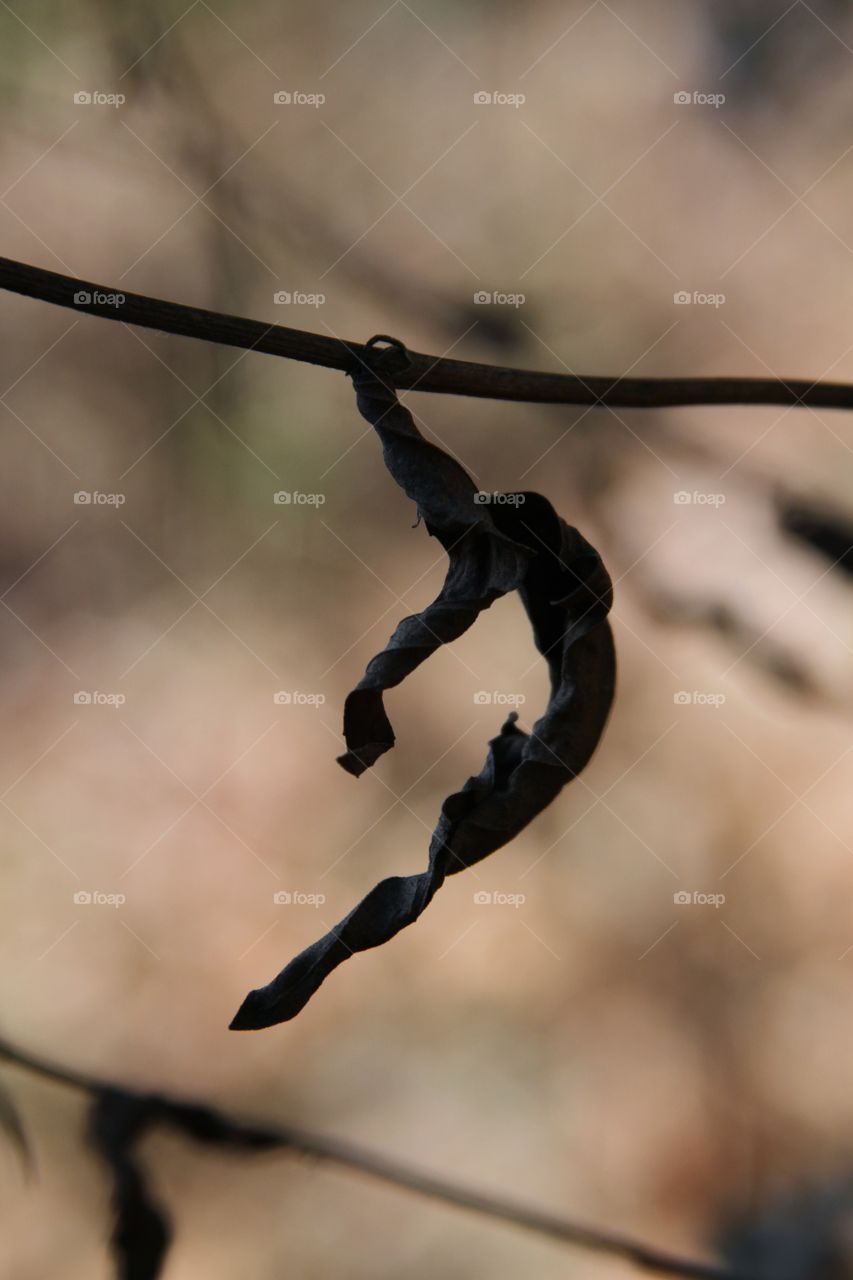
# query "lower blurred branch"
(210, 1125)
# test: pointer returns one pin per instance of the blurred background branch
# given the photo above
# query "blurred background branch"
(209, 1125)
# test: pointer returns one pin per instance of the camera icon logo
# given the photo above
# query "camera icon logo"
(82, 498)
(682, 898)
(282, 498)
(681, 99)
(482, 98)
(482, 297)
(282, 698)
(82, 98)
(682, 698)
(682, 498)
(83, 898)
(482, 898)
(482, 698)
(282, 298)
(282, 898)
(282, 98)
(82, 298)
(82, 698)
(682, 298)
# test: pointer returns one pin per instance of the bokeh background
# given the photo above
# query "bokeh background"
(596, 1046)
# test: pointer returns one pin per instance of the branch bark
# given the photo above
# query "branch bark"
(427, 373)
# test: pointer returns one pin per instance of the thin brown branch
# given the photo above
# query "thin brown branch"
(427, 373)
(212, 1125)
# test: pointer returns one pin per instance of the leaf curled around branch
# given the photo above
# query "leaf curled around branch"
(495, 544)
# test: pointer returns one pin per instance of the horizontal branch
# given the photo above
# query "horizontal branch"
(427, 373)
(347, 1155)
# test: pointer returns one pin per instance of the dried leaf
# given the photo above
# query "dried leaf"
(119, 1119)
(211, 1127)
(511, 542)
(142, 1231)
(13, 1127)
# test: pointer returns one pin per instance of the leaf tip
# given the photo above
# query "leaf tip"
(358, 762)
(256, 1013)
(244, 1019)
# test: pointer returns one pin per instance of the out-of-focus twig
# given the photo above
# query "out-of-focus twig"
(210, 1125)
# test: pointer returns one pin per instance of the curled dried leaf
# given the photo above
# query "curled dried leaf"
(517, 544)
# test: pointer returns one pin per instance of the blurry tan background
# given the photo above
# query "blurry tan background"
(599, 1049)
